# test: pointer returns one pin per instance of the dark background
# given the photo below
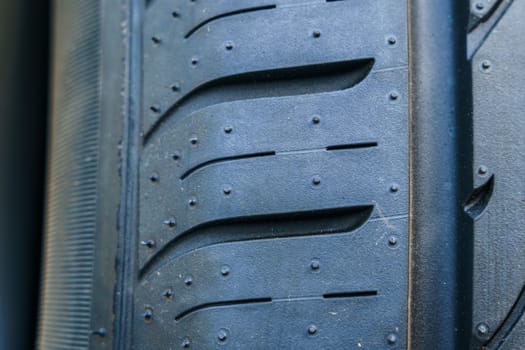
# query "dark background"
(24, 65)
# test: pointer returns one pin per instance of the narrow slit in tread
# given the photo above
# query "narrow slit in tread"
(221, 303)
(279, 82)
(271, 153)
(364, 293)
(351, 146)
(225, 159)
(228, 14)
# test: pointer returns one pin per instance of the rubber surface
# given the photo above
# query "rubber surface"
(269, 144)
(83, 193)
(441, 154)
(287, 174)
(499, 269)
(69, 246)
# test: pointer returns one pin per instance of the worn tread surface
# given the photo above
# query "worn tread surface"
(272, 202)
(499, 261)
(292, 177)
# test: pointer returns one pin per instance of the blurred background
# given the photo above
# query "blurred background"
(24, 65)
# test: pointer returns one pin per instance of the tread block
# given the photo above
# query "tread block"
(273, 192)
(277, 125)
(274, 185)
(173, 62)
(499, 262)
(295, 282)
(275, 154)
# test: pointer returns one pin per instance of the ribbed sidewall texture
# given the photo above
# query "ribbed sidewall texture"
(72, 177)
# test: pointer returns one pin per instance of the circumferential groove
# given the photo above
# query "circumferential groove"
(228, 14)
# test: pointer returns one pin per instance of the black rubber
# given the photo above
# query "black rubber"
(286, 174)
(257, 212)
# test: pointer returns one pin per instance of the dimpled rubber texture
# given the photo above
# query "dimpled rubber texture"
(273, 177)
(499, 126)
(69, 254)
